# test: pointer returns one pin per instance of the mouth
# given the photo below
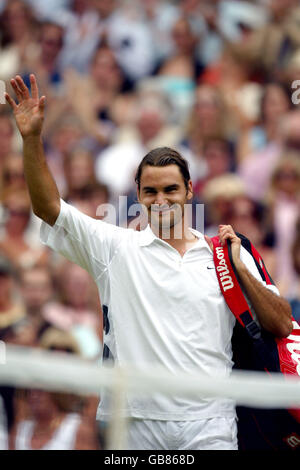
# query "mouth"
(161, 209)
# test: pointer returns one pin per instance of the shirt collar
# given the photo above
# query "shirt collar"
(147, 237)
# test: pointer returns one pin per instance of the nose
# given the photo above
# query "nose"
(160, 199)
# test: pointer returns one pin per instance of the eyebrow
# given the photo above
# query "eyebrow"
(166, 188)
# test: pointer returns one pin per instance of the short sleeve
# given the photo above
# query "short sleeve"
(88, 242)
(249, 261)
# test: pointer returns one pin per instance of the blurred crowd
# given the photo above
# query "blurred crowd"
(215, 79)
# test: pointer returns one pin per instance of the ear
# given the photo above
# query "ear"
(190, 191)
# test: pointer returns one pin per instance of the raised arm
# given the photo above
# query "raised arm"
(29, 116)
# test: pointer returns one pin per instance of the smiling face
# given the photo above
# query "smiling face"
(163, 194)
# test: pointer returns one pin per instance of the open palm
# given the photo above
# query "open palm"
(29, 112)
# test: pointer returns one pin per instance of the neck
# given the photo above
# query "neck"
(177, 235)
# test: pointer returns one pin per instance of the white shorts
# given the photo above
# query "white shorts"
(207, 434)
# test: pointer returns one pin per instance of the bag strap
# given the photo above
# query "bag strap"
(231, 288)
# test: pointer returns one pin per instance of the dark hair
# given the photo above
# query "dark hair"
(163, 156)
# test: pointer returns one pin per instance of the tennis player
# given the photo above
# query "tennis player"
(160, 296)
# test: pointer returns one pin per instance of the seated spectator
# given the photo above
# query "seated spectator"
(275, 103)
(102, 97)
(283, 200)
(178, 73)
(19, 32)
(160, 16)
(256, 169)
(19, 236)
(240, 91)
(76, 303)
(207, 120)
(79, 174)
(13, 172)
(128, 36)
(63, 135)
(149, 127)
(183, 63)
(248, 218)
(12, 309)
(218, 160)
(295, 295)
(55, 421)
(270, 47)
(218, 196)
(82, 26)
(6, 138)
(36, 285)
(45, 64)
(94, 199)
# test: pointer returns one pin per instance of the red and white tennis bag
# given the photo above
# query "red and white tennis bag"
(256, 349)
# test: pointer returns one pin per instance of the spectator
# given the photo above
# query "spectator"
(46, 62)
(76, 304)
(218, 160)
(218, 196)
(270, 47)
(257, 168)
(63, 135)
(13, 172)
(160, 16)
(183, 63)
(55, 421)
(82, 25)
(275, 103)
(295, 295)
(283, 198)
(12, 309)
(6, 138)
(102, 97)
(19, 234)
(248, 218)
(79, 174)
(208, 119)
(37, 289)
(150, 127)
(127, 36)
(19, 32)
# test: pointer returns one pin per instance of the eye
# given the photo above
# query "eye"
(171, 190)
(149, 191)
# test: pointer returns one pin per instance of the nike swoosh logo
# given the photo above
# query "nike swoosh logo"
(209, 267)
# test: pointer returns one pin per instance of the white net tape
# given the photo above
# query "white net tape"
(35, 368)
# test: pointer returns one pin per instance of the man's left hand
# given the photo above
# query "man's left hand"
(226, 232)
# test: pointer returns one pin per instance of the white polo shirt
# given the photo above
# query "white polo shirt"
(159, 308)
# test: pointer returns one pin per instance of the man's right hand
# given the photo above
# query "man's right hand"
(29, 112)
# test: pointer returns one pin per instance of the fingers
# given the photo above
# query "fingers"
(34, 87)
(42, 102)
(22, 87)
(226, 232)
(16, 89)
(10, 101)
